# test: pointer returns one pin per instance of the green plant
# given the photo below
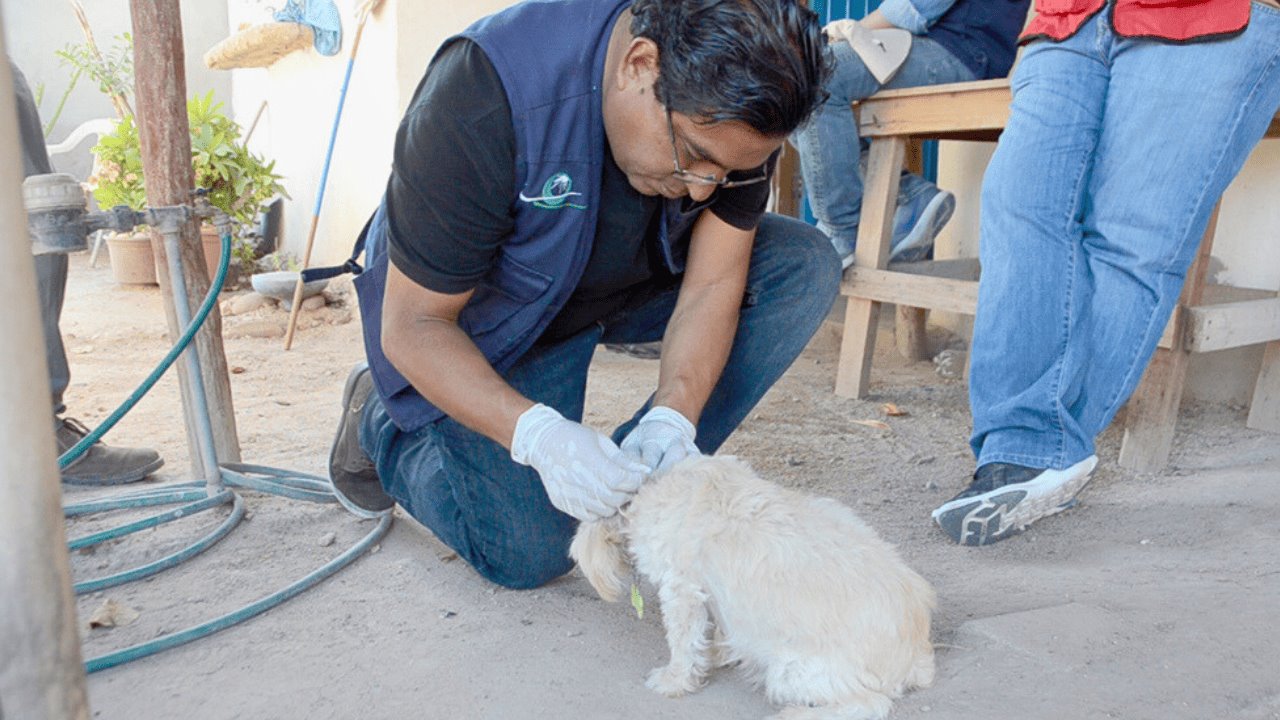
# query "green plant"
(113, 71)
(279, 260)
(237, 180)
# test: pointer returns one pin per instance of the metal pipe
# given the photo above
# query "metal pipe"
(171, 230)
(41, 672)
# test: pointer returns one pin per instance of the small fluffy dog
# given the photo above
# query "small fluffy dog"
(803, 594)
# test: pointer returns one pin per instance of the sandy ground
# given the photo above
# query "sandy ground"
(1155, 598)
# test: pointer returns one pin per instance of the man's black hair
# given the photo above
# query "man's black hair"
(761, 62)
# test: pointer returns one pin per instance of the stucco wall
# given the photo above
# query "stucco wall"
(301, 91)
(36, 29)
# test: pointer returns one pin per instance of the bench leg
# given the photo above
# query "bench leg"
(1152, 414)
(857, 345)
(909, 333)
(1264, 410)
(875, 233)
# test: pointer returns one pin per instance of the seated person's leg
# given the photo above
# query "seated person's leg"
(831, 153)
(792, 281)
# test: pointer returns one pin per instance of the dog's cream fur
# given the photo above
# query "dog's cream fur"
(812, 603)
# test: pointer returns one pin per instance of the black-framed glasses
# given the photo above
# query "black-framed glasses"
(692, 178)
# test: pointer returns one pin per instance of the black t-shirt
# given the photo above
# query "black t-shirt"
(450, 200)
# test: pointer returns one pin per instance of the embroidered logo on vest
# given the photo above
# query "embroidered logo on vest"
(556, 192)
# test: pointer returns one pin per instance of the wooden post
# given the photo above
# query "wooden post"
(1152, 412)
(161, 91)
(41, 671)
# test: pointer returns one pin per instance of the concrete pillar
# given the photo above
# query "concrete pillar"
(41, 670)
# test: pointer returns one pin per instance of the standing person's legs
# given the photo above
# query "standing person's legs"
(466, 488)
(1029, 296)
(51, 281)
(1180, 122)
(1062, 338)
(792, 282)
(1029, 301)
(830, 147)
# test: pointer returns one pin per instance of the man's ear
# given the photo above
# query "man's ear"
(639, 67)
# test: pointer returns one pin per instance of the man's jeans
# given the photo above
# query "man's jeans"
(1092, 210)
(495, 512)
(830, 147)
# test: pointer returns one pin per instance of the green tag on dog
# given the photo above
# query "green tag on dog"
(637, 602)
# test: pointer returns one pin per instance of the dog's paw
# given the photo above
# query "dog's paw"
(672, 682)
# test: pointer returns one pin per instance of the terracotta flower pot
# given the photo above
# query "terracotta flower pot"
(132, 262)
(212, 243)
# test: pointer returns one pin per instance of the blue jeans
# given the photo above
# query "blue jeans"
(1092, 210)
(830, 147)
(495, 512)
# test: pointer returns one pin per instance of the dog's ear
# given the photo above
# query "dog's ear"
(600, 550)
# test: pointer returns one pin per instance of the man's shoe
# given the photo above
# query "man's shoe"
(914, 232)
(100, 464)
(354, 477)
(1004, 499)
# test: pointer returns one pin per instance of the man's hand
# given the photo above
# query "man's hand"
(584, 473)
(662, 438)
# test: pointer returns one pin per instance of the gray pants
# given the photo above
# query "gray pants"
(51, 270)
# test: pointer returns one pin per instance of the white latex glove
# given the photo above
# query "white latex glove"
(584, 473)
(662, 438)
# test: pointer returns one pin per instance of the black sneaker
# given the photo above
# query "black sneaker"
(100, 464)
(1004, 499)
(354, 477)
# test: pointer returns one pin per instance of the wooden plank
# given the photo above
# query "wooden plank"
(952, 268)
(857, 345)
(909, 333)
(1230, 325)
(1172, 329)
(1152, 416)
(922, 291)
(1264, 410)
(875, 233)
(936, 111)
(788, 190)
(879, 199)
(161, 90)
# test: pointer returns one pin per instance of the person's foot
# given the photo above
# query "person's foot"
(101, 464)
(915, 226)
(1004, 499)
(353, 475)
(916, 223)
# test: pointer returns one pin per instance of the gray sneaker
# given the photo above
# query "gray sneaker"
(1004, 499)
(914, 236)
(353, 474)
(102, 464)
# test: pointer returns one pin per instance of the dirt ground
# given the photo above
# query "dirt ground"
(1155, 598)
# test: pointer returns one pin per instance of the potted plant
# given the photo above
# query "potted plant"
(238, 181)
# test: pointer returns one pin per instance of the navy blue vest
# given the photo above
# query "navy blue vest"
(983, 34)
(550, 56)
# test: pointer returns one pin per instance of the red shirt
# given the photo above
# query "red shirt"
(1175, 20)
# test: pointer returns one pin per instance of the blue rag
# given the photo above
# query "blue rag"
(322, 16)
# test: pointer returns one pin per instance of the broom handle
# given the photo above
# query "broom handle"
(365, 11)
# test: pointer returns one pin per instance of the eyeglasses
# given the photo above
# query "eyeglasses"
(692, 178)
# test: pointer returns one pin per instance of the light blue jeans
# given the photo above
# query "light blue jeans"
(495, 512)
(830, 147)
(1092, 210)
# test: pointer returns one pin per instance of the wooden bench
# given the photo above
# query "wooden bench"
(979, 111)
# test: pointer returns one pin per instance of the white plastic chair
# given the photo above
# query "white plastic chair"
(90, 128)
